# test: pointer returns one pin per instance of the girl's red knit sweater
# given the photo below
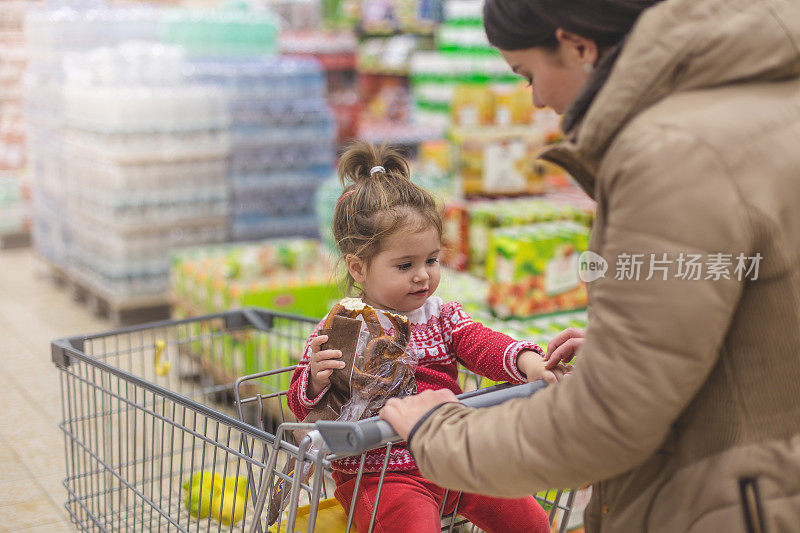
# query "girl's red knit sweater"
(442, 336)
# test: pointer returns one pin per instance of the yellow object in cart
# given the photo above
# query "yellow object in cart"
(331, 518)
(162, 367)
(228, 508)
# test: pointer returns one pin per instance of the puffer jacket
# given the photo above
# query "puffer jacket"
(684, 407)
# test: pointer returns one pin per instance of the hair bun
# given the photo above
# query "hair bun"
(363, 162)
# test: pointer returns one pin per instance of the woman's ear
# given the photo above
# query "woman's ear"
(575, 49)
(357, 267)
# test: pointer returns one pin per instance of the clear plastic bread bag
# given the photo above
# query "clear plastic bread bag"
(380, 367)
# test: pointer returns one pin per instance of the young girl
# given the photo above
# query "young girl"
(389, 232)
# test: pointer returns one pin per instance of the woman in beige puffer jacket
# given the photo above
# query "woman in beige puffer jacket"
(684, 407)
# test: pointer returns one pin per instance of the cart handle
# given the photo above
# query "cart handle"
(354, 438)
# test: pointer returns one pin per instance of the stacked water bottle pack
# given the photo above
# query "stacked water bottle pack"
(138, 146)
(126, 159)
(53, 31)
(12, 211)
(235, 30)
(283, 139)
(335, 49)
(145, 156)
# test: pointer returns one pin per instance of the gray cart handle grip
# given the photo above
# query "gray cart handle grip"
(354, 438)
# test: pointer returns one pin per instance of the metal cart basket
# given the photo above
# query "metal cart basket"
(160, 435)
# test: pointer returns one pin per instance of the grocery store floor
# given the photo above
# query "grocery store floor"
(32, 313)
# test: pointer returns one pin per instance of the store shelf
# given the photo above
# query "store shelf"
(427, 31)
(398, 134)
(333, 62)
(372, 70)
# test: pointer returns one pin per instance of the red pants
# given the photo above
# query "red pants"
(409, 503)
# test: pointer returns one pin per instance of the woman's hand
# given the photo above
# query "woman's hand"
(563, 347)
(534, 366)
(403, 414)
(322, 365)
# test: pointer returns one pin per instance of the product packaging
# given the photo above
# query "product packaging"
(533, 269)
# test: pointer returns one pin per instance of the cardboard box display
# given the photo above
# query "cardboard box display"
(468, 226)
(533, 269)
(499, 160)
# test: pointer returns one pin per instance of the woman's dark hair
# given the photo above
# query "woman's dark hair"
(521, 24)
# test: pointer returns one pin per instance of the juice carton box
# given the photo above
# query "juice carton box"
(499, 160)
(533, 269)
(468, 226)
(486, 217)
(455, 235)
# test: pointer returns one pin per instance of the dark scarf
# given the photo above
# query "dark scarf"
(581, 105)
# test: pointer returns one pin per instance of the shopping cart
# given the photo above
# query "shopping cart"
(160, 435)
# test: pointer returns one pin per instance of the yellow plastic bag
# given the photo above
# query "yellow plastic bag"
(331, 518)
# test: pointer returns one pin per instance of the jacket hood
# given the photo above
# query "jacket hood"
(684, 45)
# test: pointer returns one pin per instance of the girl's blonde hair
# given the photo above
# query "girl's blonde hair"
(376, 204)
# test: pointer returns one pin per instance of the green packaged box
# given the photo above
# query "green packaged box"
(533, 269)
(288, 275)
(291, 276)
(312, 297)
(487, 216)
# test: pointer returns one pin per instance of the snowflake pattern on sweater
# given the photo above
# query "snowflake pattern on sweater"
(442, 336)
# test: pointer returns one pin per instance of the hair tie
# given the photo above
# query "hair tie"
(345, 195)
(373, 170)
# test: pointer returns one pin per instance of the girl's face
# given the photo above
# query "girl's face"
(556, 76)
(403, 274)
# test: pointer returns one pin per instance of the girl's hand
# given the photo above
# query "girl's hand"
(322, 365)
(563, 346)
(534, 366)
